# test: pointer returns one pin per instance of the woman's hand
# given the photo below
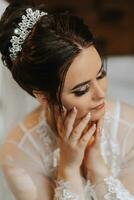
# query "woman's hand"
(73, 140)
(95, 168)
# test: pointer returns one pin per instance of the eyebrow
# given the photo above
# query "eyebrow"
(85, 82)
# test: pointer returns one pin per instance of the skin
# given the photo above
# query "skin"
(85, 67)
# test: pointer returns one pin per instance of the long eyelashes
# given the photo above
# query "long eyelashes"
(80, 93)
(87, 87)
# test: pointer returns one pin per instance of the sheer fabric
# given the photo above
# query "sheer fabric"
(30, 165)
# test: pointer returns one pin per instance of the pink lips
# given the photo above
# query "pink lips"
(99, 106)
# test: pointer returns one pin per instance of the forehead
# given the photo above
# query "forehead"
(83, 68)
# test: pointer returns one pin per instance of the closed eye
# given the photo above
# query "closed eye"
(86, 86)
(83, 89)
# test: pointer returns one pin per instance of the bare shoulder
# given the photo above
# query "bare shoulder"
(29, 121)
(127, 112)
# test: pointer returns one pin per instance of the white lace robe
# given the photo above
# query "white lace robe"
(30, 165)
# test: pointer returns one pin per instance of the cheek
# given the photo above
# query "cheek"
(81, 103)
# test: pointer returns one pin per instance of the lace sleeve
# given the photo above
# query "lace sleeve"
(63, 191)
(116, 190)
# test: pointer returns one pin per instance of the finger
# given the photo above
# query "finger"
(64, 111)
(69, 122)
(61, 116)
(87, 136)
(98, 131)
(77, 132)
(64, 123)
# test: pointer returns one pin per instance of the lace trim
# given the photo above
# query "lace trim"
(51, 158)
(116, 190)
(62, 191)
(89, 190)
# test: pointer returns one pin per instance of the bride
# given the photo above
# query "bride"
(77, 144)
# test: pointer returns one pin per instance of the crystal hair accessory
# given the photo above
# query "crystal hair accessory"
(25, 26)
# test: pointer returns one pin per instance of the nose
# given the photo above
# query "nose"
(98, 91)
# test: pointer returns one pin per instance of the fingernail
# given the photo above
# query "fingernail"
(94, 127)
(88, 116)
(74, 109)
(64, 109)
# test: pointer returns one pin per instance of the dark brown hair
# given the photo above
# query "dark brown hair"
(47, 52)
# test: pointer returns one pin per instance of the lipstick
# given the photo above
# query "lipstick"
(98, 107)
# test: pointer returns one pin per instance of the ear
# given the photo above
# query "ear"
(40, 96)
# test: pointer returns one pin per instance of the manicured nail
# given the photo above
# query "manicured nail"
(74, 109)
(64, 109)
(88, 116)
(94, 127)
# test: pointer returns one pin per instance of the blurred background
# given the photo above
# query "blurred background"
(112, 22)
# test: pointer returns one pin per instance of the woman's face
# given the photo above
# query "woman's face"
(85, 85)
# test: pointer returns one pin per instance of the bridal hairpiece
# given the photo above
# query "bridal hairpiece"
(20, 33)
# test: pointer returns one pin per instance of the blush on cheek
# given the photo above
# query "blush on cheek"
(81, 114)
(67, 104)
(70, 103)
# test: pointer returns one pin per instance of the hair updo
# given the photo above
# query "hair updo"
(47, 52)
